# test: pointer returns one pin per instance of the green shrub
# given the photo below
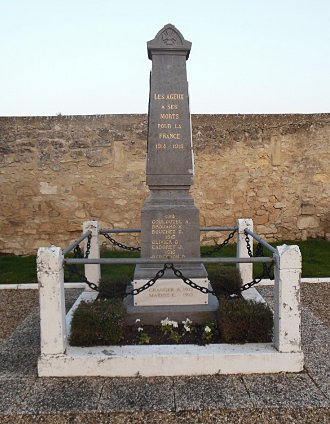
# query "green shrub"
(98, 323)
(243, 321)
(113, 286)
(224, 280)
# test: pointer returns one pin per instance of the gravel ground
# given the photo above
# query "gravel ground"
(240, 416)
(317, 297)
(15, 305)
(277, 398)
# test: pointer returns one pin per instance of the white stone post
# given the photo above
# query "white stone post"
(245, 270)
(92, 272)
(53, 335)
(287, 320)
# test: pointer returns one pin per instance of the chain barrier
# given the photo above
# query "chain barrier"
(218, 247)
(73, 270)
(77, 253)
(193, 285)
(120, 245)
(267, 269)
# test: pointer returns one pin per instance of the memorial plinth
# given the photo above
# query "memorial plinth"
(169, 217)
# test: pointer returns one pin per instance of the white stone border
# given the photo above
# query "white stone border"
(59, 359)
(169, 360)
(34, 286)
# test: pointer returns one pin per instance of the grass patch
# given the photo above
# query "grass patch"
(315, 257)
(22, 269)
(18, 269)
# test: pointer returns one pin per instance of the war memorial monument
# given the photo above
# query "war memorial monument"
(170, 278)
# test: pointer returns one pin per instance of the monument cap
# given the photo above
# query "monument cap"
(169, 40)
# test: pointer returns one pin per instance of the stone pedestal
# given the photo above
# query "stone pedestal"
(170, 229)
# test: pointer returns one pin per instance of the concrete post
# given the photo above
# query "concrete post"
(287, 320)
(53, 335)
(92, 272)
(245, 270)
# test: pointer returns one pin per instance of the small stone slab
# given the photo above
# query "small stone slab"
(286, 390)
(322, 380)
(50, 395)
(210, 392)
(12, 393)
(18, 362)
(137, 394)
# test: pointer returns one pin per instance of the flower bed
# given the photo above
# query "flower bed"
(103, 323)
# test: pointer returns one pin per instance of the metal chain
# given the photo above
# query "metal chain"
(77, 253)
(220, 246)
(193, 285)
(190, 283)
(248, 245)
(88, 246)
(259, 253)
(73, 270)
(120, 245)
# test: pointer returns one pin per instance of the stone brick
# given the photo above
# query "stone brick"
(307, 209)
(305, 222)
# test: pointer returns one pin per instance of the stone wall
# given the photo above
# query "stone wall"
(56, 172)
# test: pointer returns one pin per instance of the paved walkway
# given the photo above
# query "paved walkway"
(287, 398)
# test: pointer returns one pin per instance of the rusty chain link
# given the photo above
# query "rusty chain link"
(121, 245)
(218, 247)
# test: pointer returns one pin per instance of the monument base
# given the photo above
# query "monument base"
(153, 314)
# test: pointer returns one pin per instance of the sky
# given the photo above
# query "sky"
(78, 57)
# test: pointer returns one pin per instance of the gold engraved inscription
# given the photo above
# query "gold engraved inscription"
(170, 96)
(168, 292)
(166, 235)
(169, 116)
(169, 111)
(170, 136)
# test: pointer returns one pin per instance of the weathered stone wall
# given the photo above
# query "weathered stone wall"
(56, 172)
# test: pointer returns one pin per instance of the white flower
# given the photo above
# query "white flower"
(140, 329)
(207, 329)
(137, 320)
(187, 321)
(165, 321)
(174, 324)
(186, 327)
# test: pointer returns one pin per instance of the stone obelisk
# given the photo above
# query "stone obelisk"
(169, 217)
